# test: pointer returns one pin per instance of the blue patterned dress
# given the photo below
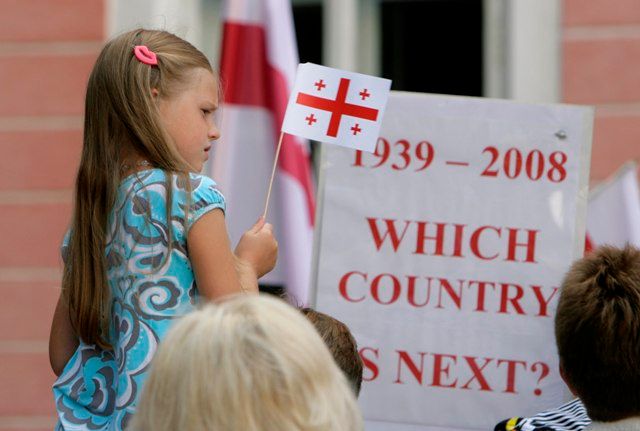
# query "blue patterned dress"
(150, 287)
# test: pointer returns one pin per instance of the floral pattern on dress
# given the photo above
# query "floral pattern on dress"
(151, 284)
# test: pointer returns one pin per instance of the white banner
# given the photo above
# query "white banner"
(613, 216)
(443, 252)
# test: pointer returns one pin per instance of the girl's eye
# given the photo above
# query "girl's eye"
(205, 112)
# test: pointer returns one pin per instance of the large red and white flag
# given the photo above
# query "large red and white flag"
(337, 107)
(258, 66)
(613, 213)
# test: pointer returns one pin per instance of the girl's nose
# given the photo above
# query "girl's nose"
(213, 133)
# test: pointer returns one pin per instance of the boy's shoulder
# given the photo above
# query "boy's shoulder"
(571, 416)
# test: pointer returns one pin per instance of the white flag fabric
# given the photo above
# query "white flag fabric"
(258, 65)
(337, 107)
(613, 213)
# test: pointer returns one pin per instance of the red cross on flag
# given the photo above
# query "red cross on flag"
(336, 106)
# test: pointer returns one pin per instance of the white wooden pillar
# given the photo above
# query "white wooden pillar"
(340, 28)
(522, 43)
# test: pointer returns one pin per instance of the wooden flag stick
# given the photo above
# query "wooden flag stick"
(273, 174)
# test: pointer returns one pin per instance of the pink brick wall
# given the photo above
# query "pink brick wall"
(47, 49)
(601, 67)
(601, 12)
(43, 84)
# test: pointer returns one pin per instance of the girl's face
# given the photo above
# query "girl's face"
(188, 117)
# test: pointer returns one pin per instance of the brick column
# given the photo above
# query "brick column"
(47, 49)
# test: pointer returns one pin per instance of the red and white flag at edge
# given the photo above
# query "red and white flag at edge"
(258, 66)
(613, 212)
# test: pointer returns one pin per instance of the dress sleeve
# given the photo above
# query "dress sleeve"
(204, 197)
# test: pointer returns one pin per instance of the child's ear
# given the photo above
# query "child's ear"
(155, 93)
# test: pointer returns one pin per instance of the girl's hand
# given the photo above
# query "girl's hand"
(258, 248)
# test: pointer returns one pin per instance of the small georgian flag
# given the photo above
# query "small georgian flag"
(336, 106)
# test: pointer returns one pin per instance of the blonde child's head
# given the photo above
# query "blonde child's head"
(251, 363)
(157, 113)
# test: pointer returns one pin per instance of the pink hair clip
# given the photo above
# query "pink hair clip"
(145, 55)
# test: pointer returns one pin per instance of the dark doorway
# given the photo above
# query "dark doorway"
(433, 46)
(307, 19)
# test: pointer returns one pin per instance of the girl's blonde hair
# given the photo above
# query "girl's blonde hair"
(121, 119)
(251, 363)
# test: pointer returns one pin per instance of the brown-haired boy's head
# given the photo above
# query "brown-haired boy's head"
(341, 344)
(598, 332)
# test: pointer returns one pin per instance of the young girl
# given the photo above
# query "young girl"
(148, 234)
